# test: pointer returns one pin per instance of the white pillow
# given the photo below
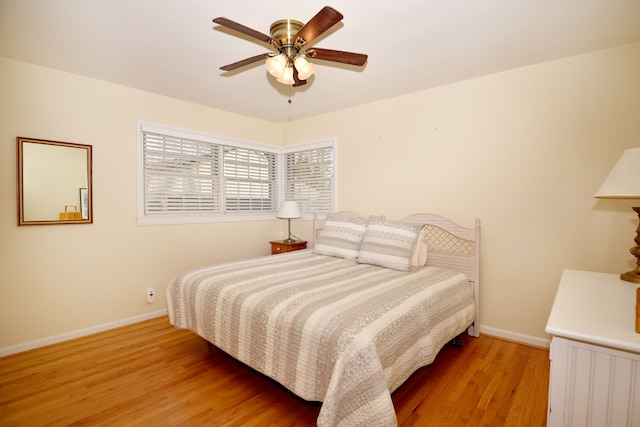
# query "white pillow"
(341, 235)
(388, 243)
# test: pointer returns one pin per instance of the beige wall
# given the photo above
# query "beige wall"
(524, 150)
(57, 279)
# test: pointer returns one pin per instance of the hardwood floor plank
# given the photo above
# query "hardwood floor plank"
(152, 374)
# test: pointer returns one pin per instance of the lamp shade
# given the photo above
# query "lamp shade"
(623, 181)
(276, 65)
(287, 76)
(305, 68)
(289, 209)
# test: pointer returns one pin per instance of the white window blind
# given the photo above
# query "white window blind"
(185, 176)
(181, 176)
(250, 180)
(310, 178)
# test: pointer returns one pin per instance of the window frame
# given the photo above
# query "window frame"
(223, 216)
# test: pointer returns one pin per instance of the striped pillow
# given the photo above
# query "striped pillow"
(341, 235)
(389, 244)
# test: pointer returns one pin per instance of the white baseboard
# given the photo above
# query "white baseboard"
(5, 351)
(515, 336)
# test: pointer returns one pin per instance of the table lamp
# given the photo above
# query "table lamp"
(289, 210)
(623, 182)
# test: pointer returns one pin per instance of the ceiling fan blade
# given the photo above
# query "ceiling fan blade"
(244, 62)
(296, 80)
(321, 22)
(246, 31)
(337, 56)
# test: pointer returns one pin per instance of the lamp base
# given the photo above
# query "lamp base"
(290, 240)
(631, 276)
(634, 275)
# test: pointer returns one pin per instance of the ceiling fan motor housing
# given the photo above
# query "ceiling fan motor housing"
(284, 30)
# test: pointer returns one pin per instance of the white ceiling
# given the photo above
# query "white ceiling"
(172, 48)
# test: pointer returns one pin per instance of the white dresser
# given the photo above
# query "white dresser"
(595, 352)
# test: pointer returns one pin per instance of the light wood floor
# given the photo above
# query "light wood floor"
(150, 374)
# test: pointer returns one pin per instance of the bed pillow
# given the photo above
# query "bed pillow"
(419, 257)
(341, 235)
(388, 243)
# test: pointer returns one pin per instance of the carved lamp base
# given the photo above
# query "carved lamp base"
(634, 275)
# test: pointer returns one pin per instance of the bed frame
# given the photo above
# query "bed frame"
(449, 245)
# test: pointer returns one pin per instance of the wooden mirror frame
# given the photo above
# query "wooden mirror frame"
(86, 213)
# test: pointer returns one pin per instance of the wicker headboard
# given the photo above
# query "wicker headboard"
(448, 245)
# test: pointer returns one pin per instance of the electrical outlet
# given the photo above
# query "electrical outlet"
(151, 293)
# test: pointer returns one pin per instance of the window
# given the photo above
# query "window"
(186, 177)
(250, 180)
(310, 176)
(181, 176)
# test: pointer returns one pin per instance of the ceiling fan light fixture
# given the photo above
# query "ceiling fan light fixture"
(276, 65)
(287, 76)
(305, 68)
(290, 38)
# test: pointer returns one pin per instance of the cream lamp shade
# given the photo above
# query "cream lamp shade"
(289, 210)
(623, 182)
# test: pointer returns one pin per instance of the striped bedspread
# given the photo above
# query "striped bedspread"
(326, 328)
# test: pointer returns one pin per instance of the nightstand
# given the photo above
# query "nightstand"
(280, 246)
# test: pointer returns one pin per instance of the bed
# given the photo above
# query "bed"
(346, 321)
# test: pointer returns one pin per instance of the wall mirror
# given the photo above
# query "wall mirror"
(54, 182)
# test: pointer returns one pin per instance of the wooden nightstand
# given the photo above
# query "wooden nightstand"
(280, 246)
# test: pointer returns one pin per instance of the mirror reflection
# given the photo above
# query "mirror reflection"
(54, 182)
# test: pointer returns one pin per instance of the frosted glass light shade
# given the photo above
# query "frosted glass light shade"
(287, 76)
(289, 209)
(305, 68)
(276, 65)
(623, 181)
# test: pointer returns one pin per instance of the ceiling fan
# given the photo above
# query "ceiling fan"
(290, 38)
